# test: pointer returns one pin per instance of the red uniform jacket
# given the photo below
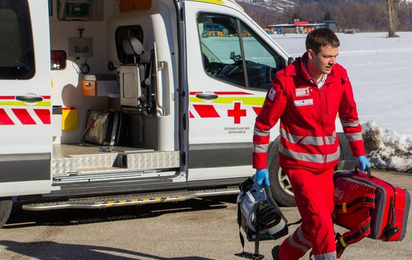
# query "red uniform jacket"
(307, 119)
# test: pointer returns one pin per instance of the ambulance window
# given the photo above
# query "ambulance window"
(232, 52)
(16, 41)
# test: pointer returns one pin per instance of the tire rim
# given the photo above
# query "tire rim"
(284, 182)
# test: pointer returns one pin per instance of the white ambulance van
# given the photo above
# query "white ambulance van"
(126, 102)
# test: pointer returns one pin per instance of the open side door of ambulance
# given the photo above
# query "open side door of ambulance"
(229, 72)
(25, 98)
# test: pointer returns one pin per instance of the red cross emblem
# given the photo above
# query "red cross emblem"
(236, 112)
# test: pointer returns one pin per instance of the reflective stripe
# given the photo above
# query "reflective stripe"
(330, 139)
(327, 256)
(291, 138)
(296, 245)
(334, 156)
(261, 133)
(314, 158)
(349, 123)
(354, 137)
(260, 148)
(302, 238)
(308, 140)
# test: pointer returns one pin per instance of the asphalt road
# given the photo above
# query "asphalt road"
(203, 229)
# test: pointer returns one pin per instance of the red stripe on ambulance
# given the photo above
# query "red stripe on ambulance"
(44, 115)
(24, 116)
(4, 118)
(223, 93)
(206, 111)
(257, 110)
(7, 97)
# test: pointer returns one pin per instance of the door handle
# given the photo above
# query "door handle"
(207, 96)
(29, 98)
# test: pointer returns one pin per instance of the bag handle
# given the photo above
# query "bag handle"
(352, 173)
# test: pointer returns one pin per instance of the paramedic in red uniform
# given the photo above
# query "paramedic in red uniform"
(306, 97)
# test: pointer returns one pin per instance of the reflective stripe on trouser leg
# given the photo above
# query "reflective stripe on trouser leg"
(295, 246)
(314, 199)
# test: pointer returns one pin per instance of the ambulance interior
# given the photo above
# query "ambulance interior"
(104, 61)
(122, 55)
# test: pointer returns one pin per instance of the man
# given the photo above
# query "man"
(306, 97)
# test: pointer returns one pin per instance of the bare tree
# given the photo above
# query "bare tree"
(390, 5)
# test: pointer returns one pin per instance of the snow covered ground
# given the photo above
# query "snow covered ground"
(380, 70)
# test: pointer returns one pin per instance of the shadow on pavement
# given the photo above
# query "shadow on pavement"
(21, 218)
(50, 250)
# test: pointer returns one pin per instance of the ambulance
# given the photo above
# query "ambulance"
(127, 102)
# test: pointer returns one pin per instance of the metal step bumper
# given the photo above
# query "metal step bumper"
(128, 200)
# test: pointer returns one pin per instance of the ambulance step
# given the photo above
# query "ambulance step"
(134, 160)
(128, 200)
(110, 174)
(97, 174)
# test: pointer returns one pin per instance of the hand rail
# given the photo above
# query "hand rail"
(159, 66)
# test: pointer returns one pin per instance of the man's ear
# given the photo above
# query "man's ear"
(311, 53)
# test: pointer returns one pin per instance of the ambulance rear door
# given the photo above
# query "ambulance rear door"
(25, 102)
(230, 66)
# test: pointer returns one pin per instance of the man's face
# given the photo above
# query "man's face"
(323, 62)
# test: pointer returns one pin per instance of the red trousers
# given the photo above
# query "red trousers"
(314, 196)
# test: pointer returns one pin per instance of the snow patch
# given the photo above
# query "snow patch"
(387, 149)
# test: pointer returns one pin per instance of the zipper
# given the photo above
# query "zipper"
(321, 108)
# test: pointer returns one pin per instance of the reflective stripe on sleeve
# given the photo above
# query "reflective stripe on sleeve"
(260, 148)
(349, 123)
(354, 137)
(261, 133)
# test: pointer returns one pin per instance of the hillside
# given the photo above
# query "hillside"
(364, 15)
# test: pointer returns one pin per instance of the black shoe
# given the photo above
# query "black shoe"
(275, 253)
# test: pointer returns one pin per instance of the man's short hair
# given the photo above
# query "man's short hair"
(320, 38)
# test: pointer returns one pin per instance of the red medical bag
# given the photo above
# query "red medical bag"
(369, 206)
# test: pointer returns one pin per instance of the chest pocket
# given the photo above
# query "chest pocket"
(303, 98)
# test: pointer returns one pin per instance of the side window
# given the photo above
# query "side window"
(232, 52)
(16, 41)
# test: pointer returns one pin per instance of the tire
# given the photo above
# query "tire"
(6, 205)
(279, 184)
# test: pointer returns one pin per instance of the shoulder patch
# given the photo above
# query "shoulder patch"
(271, 93)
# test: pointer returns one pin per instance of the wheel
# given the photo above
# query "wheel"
(279, 184)
(5, 210)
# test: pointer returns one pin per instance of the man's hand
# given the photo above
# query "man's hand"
(262, 175)
(363, 163)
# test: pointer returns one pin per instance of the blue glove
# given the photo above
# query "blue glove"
(363, 163)
(262, 175)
